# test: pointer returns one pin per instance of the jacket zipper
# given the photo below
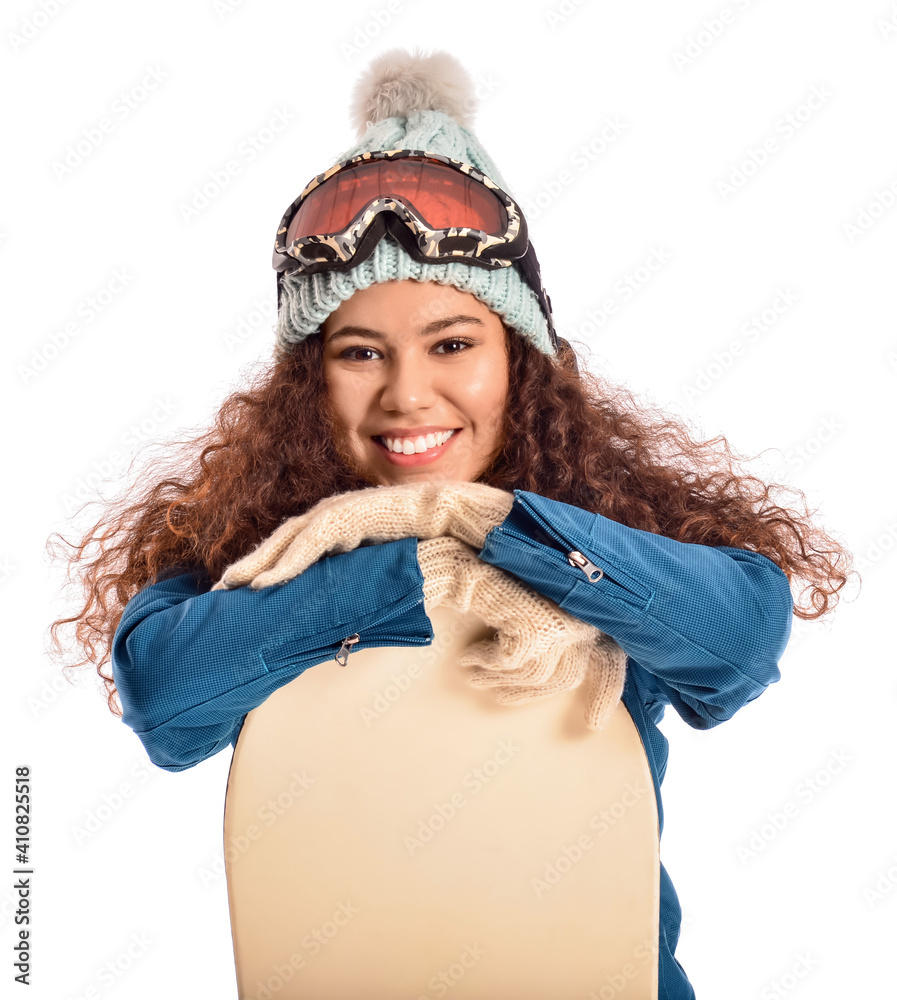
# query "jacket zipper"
(575, 558)
(381, 640)
(342, 655)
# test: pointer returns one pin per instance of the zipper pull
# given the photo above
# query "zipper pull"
(589, 568)
(342, 657)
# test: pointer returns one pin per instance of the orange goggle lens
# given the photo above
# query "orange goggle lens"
(443, 197)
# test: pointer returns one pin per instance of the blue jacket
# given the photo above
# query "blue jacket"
(703, 628)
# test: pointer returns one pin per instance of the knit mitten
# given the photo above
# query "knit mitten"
(467, 511)
(539, 648)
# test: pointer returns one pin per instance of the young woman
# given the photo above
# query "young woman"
(416, 349)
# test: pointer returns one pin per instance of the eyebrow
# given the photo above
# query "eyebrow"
(434, 327)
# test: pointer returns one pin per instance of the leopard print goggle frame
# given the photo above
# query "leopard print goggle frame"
(440, 209)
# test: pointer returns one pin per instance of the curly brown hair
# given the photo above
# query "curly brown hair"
(271, 455)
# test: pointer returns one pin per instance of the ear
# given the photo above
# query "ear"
(567, 356)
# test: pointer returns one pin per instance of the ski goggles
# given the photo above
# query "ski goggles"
(439, 209)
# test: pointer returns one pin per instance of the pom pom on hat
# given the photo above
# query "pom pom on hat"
(398, 82)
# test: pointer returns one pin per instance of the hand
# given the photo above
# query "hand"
(539, 649)
(467, 511)
(600, 659)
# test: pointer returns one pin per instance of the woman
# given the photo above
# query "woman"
(397, 367)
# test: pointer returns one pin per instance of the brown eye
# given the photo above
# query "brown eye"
(350, 350)
(457, 340)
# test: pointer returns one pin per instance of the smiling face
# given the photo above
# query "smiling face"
(408, 360)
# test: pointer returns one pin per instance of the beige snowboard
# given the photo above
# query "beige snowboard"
(391, 833)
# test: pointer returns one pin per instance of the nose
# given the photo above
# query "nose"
(409, 383)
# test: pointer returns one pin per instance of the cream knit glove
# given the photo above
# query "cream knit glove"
(467, 511)
(539, 649)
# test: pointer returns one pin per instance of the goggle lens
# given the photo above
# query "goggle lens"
(443, 197)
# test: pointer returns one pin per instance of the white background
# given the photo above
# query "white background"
(818, 385)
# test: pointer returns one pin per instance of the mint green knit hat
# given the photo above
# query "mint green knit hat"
(406, 100)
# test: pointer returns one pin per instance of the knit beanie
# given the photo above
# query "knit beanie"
(407, 100)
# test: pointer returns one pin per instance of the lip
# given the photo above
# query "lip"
(424, 458)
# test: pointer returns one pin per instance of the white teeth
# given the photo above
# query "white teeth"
(412, 446)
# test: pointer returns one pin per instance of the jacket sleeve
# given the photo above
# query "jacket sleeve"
(189, 663)
(705, 624)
